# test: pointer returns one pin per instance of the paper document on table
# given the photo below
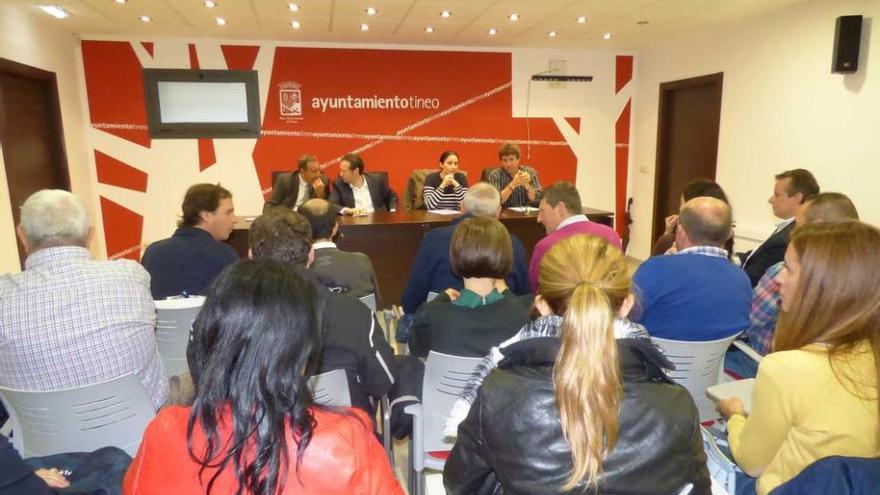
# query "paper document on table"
(445, 212)
(741, 389)
(523, 209)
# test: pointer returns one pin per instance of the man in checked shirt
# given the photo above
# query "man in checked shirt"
(518, 184)
(68, 320)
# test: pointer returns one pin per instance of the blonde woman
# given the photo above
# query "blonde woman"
(816, 394)
(582, 412)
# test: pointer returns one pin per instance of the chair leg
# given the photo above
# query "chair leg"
(420, 484)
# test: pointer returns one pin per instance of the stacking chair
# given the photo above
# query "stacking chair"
(174, 319)
(331, 389)
(697, 367)
(369, 301)
(445, 377)
(82, 419)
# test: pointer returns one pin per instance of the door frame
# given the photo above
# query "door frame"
(717, 81)
(17, 69)
(21, 70)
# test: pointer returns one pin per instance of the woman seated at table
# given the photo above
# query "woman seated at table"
(485, 313)
(580, 410)
(253, 427)
(816, 394)
(445, 189)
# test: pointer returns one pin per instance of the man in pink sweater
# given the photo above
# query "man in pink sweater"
(560, 212)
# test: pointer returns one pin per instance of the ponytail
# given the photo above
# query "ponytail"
(586, 379)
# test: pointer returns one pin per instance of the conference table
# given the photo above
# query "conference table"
(391, 239)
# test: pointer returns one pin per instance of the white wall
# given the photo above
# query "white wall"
(42, 43)
(781, 109)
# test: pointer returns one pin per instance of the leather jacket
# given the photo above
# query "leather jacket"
(511, 441)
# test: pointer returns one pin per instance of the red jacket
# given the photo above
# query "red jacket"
(343, 457)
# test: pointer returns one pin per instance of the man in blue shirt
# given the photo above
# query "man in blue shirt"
(431, 271)
(696, 294)
(188, 261)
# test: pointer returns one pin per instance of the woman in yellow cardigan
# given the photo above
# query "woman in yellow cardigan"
(816, 394)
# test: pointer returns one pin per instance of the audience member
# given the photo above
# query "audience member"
(577, 410)
(194, 255)
(790, 190)
(517, 184)
(561, 213)
(696, 294)
(830, 207)
(358, 192)
(445, 189)
(344, 271)
(816, 394)
(67, 320)
(253, 427)
(693, 189)
(352, 338)
(484, 313)
(431, 270)
(292, 189)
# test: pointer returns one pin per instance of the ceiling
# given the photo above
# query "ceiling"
(405, 21)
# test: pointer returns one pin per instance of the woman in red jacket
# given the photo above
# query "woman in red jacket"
(253, 428)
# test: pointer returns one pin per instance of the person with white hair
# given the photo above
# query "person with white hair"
(68, 320)
(431, 271)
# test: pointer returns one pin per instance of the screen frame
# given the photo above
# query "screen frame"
(189, 130)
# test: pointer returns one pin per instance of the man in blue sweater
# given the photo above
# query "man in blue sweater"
(431, 271)
(696, 294)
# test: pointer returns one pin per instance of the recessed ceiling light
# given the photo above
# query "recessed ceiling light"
(552, 34)
(365, 27)
(55, 11)
(293, 7)
(210, 4)
(492, 31)
(220, 21)
(295, 25)
(582, 19)
(513, 17)
(145, 18)
(429, 29)
(606, 36)
(371, 10)
(121, 1)
(445, 13)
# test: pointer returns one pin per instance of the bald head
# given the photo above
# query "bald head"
(321, 216)
(704, 221)
(482, 200)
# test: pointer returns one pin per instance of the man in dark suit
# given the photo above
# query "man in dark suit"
(791, 189)
(357, 192)
(287, 190)
(344, 271)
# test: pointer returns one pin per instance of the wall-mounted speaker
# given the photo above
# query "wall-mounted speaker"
(847, 38)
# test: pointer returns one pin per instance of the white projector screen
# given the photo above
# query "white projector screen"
(202, 102)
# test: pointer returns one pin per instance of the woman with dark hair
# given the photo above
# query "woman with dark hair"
(445, 189)
(253, 428)
(693, 189)
(582, 406)
(816, 393)
(485, 313)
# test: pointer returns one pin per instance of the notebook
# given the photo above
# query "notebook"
(741, 389)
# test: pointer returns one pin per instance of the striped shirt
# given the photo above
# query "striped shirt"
(448, 198)
(519, 197)
(69, 321)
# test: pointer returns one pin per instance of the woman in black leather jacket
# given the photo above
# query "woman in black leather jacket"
(582, 412)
